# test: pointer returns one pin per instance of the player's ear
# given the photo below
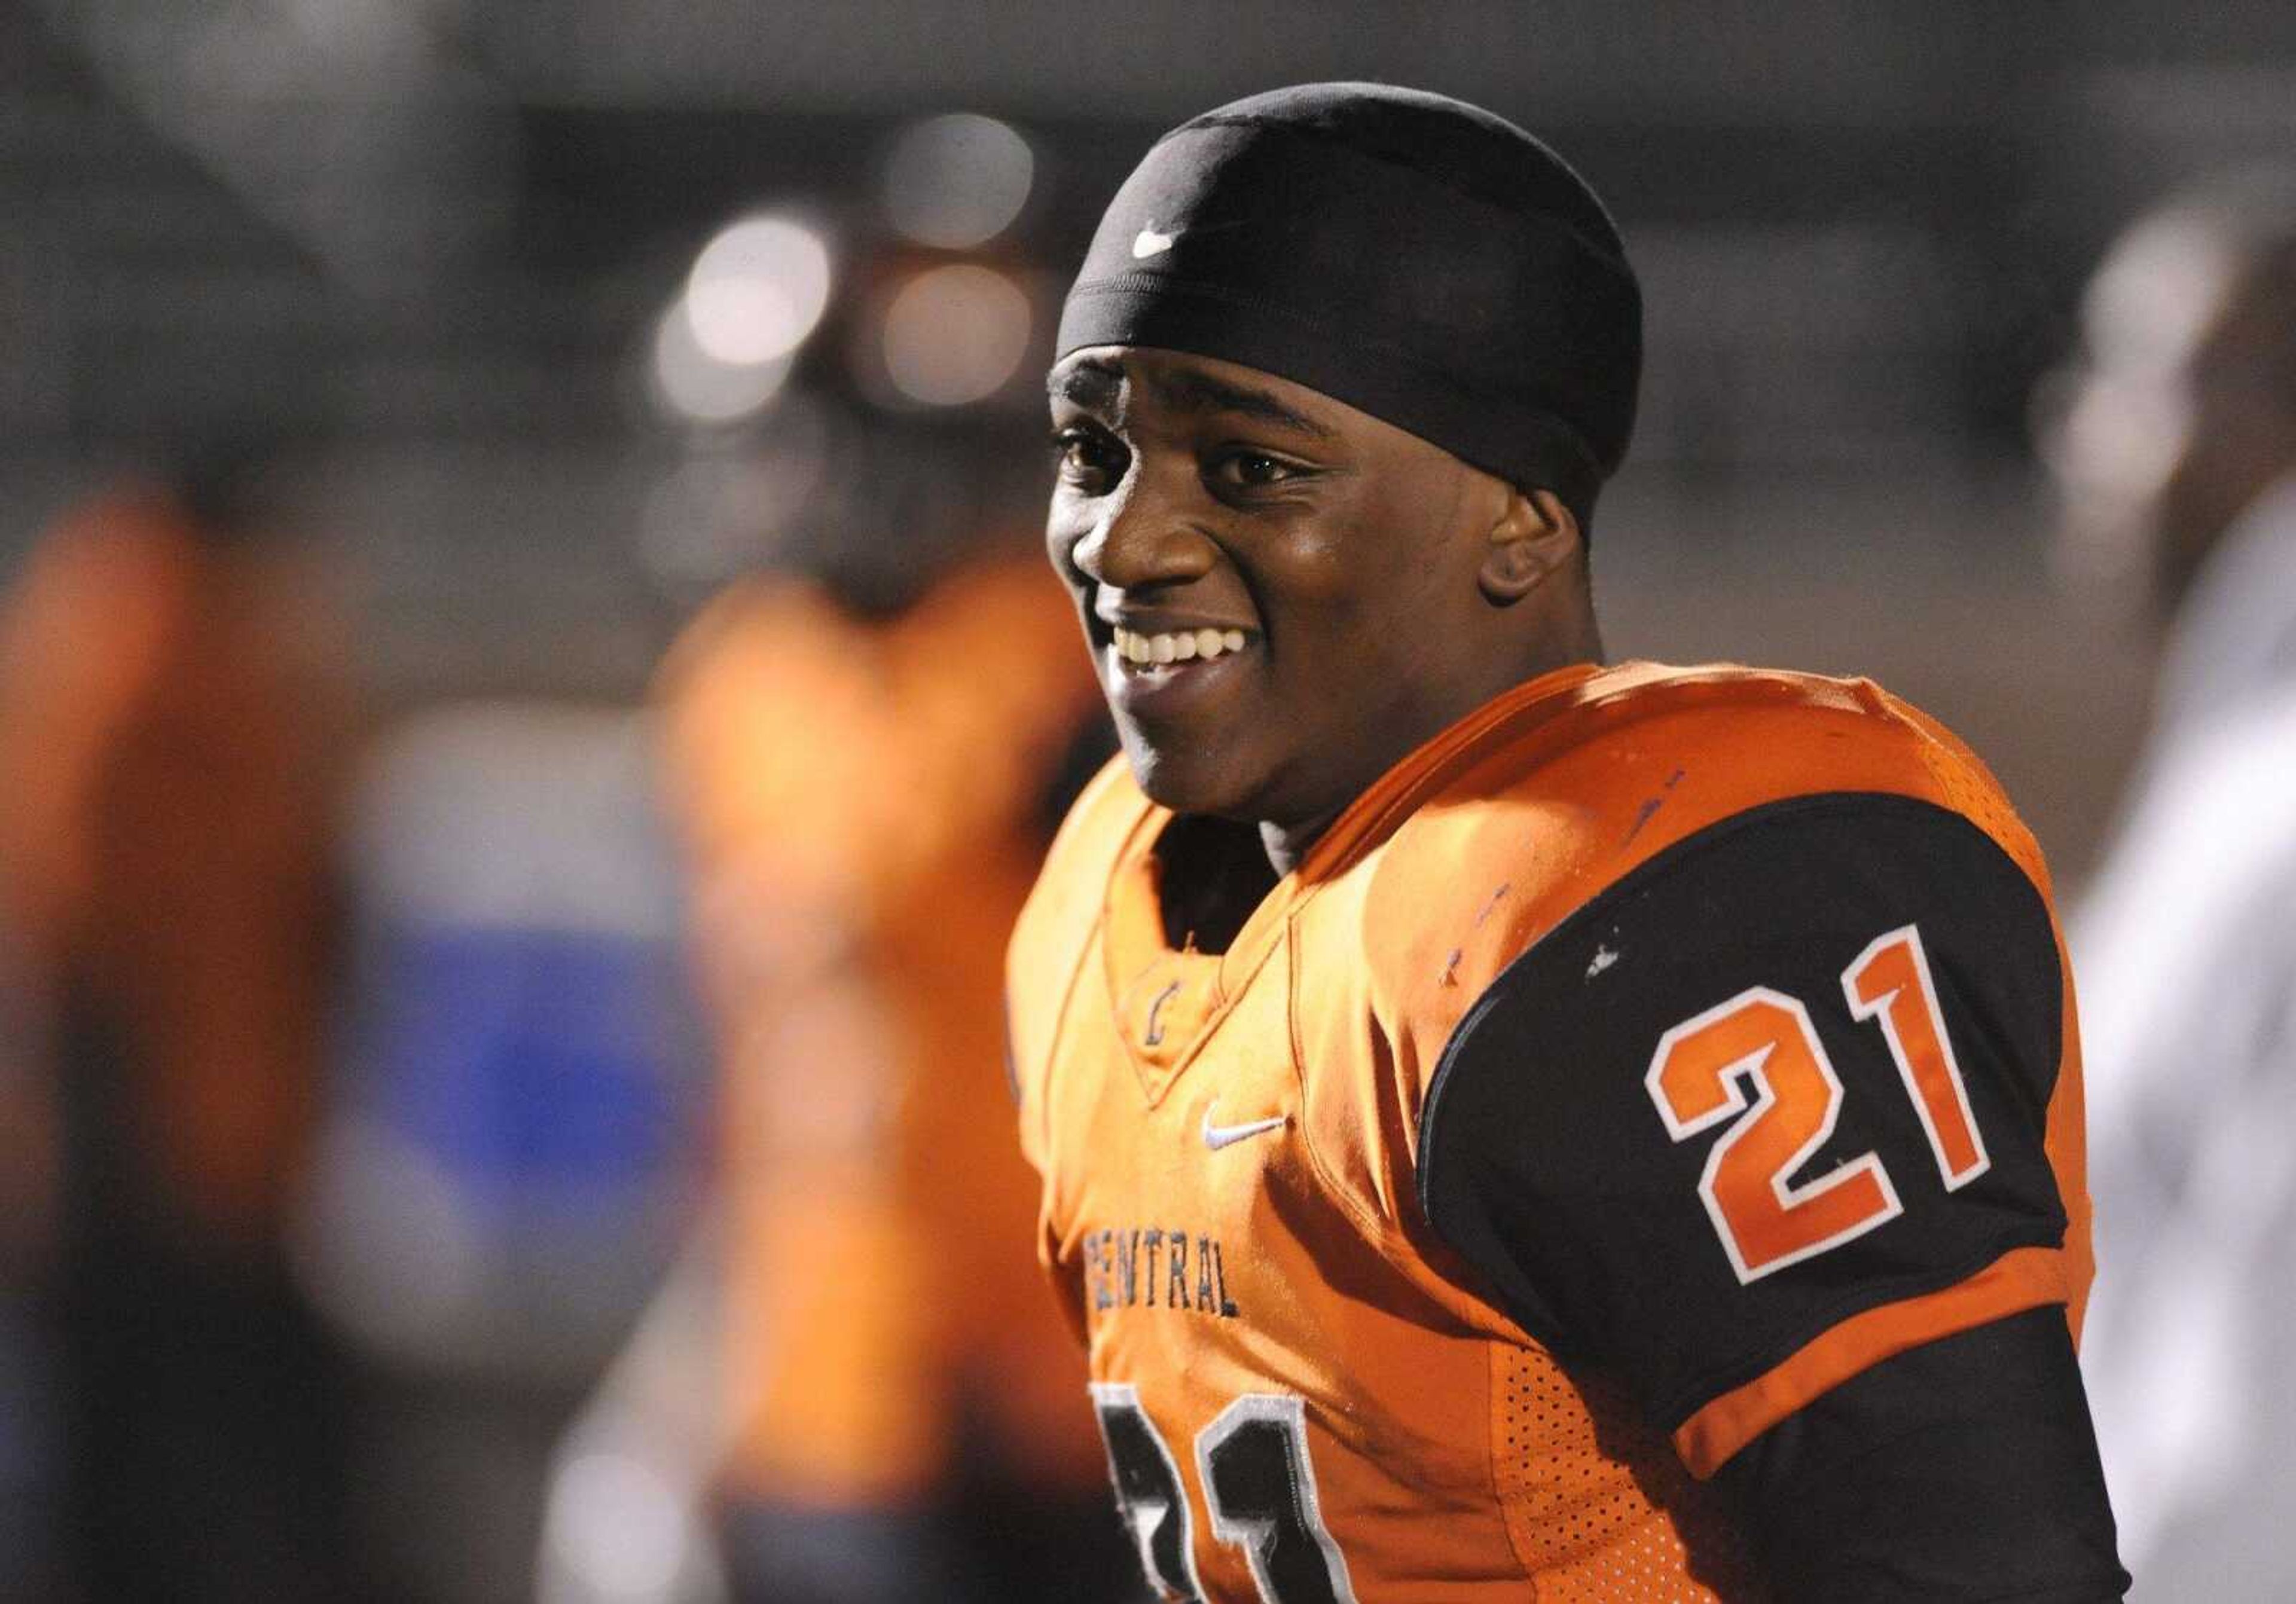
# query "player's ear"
(1534, 534)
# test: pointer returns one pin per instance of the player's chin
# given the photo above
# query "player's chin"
(1188, 775)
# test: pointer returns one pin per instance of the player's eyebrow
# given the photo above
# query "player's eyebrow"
(1188, 390)
(1091, 382)
(1094, 382)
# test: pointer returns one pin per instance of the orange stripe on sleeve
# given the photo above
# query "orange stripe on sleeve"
(2022, 1278)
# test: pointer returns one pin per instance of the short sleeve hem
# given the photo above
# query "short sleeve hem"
(2024, 1278)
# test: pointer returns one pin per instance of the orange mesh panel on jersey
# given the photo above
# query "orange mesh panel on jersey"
(1597, 1505)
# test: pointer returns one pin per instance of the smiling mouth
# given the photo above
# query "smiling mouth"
(1145, 653)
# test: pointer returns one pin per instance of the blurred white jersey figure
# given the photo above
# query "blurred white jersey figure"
(2177, 456)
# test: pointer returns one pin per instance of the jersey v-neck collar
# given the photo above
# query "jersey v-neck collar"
(1166, 1001)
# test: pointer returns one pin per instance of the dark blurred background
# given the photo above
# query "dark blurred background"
(411, 272)
(446, 228)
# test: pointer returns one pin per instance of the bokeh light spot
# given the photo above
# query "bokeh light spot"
(625, 1529)
(694, 385)
(956, 180)
(955, 334)
(757, 290)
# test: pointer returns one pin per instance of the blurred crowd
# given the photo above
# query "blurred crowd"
(497, 1144)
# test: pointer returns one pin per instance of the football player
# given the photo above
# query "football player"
(175, 735)
(1510, 1126)
(899, 1395)
(866, 739)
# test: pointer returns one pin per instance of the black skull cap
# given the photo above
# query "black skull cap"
(1417, 257)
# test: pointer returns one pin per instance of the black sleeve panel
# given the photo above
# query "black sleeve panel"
(1548, 1161)
(1966, 1469)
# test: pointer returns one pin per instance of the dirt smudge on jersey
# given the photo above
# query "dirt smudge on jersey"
(1651, 806)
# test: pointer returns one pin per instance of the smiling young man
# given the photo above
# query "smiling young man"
(1510, 1126)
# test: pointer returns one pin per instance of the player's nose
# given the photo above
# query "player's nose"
(1144, 536)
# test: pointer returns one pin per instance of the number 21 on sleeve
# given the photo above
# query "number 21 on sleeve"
(1699, 1077)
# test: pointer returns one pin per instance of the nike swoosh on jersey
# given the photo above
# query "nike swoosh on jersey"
(1218, 1136)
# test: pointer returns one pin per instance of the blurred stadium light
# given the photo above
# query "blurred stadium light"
(957, 181)
(754, 296)
(757, 290)
(955, 334)
(701, 387)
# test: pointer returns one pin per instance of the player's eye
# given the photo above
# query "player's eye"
(1086, 458)
(1250, 470)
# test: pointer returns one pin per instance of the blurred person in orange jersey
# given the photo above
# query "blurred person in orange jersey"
(866, 799)
(2176, 453)
(171, 725)
(869, 731)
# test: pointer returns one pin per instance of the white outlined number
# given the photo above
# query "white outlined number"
(1698, 1077)
(1701, 1070)
(1148, 1490)
(1259, 1484)
(1890, 982)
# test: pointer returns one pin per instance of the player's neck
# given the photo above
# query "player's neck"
(1285, 845)
(1211, 876)
(1288, 842)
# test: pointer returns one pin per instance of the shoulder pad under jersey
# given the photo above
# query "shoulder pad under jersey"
(1537, 816)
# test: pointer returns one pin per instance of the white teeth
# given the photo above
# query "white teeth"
(1178, 647)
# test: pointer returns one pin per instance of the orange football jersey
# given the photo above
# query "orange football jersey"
(172, 741)
(1649, 1053)
(860, 805)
